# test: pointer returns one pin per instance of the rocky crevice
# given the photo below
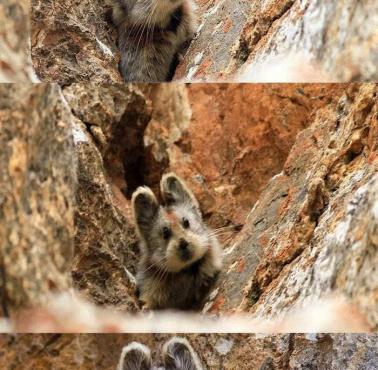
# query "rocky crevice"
(306, 205)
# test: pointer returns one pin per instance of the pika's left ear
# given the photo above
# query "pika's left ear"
(174, 192)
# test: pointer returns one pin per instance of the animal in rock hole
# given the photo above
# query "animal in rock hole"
(152, 34)
(177, 354)
(180, 257)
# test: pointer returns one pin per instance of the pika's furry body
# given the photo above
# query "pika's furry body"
(177, 354)
(180, 257)
(151, 34)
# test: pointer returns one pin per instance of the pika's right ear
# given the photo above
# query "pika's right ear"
(175, 191)
(145, 208)
(135, 356)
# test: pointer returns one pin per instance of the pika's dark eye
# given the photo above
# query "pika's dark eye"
(166, 233)
(185, 223)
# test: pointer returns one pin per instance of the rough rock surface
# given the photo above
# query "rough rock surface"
(314, 229)
(228, 140)
(338, 38)
(72, 41)
(237, 40)
(15, 62)
(109, 123)
(37, 182)
(217, 351)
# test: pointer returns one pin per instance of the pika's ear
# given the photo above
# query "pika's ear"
(174, 191)
(135, 356)
(145, 208)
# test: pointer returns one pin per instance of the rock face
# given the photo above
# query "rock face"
(314, 229)
(338, 38)
(71, 41)
(109, 123)
(216, 351)
(15, 63)
(228, 140)
(237, 41)
(37, 185)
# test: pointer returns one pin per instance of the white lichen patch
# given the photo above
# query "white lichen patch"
(104, 48)
(217, 28)
(232, 267)
(208, 14)
(375, 210)
(198, 58)
(224, 346)
(79, 135)
(130, 276)
(230, 249)
(340, 233)
(192, 72)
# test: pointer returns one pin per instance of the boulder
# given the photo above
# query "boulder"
(37, 190)
(15, 62)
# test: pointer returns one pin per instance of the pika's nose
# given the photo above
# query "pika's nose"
(183, 251)
(183, 244)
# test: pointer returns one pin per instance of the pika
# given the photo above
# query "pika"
(180, 257)
(151, 36)
(177, 354)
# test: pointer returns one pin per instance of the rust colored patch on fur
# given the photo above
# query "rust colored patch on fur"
(172, 218)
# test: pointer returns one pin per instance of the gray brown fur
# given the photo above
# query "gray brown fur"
(135, 356)
(177, 354)
(150, 36)
(177, 267)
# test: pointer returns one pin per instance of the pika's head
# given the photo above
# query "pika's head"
(174, 235)
(141, 10)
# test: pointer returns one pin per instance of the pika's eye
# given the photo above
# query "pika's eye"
(185, 223)
(166, 233)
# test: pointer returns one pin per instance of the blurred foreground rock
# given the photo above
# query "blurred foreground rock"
(67, 313)
(37, 185)
(15, 61)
